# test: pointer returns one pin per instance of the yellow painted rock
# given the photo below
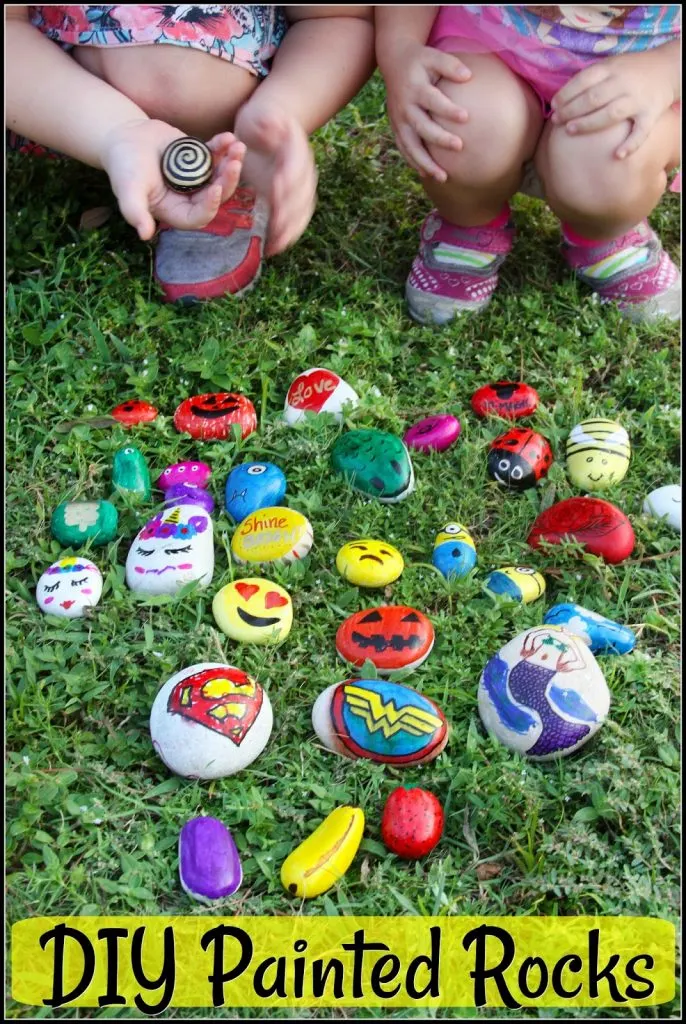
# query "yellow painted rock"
(518, 583)
(253, 611)
(369, 563)
(325, 856)
(272, 535)
(598, 453)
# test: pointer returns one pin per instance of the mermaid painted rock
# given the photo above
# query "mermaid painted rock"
(175, 547)
(376, 463)
(454, 553)
(130, 474)
(603, 636)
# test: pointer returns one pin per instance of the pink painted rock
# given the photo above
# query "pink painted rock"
(434, 432)
(601, 527)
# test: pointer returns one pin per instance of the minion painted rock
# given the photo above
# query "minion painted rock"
(519, 458)
(251, 486)
(598, 454)
(454, 553)
(375, 463)
(517, 583)
(602, 635)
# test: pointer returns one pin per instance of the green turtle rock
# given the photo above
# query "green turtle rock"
(375, 463)
(75, 522)
(130, 473)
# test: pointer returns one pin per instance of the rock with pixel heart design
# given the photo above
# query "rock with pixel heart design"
(316, 391)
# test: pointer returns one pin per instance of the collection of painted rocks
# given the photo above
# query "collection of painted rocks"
(543, 694)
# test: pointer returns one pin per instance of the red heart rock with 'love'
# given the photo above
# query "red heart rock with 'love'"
(412, 822)
(318, 390)
(601, 527)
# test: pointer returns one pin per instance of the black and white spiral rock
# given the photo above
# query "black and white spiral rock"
(186, 164)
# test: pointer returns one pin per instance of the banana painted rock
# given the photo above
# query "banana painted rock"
(325, 856)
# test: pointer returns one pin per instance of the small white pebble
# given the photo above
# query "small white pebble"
(26, 759)
(90, 407)
(145, 362)
(83, 808)
(97, 821)
(157, 654)
(375, 391)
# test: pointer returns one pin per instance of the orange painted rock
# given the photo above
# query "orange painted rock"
(393, 637)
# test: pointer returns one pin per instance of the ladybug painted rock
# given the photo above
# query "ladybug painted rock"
(211, 417)
(412, 822)
(599, 526)
(519, 458)
(133, 412)
(392, 637)
(505, 398)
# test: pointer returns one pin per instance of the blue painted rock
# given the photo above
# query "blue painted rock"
(376, 463)
(209, 721)
(75, 522)
(392, 637)
(68, 587)
(602, 635)
(505, 398)
(252, 486)
(175, 547)
(519, 458)
(543, 694)
(209, 865)
(385, 722)
(665, 503)
(454, 553)
(598, 453)
(516, 582)
(316, 391)
(596, 524)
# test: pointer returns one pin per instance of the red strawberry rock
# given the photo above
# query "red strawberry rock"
(134, 411)
(412, 822)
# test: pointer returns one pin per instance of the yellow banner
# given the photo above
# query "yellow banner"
(158, 962)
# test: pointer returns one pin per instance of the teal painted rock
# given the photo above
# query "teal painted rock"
(75, 522)
(375, 463)
(130, 473)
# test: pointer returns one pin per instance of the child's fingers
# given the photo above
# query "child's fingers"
(134, 210)
(221, 142)
(431, 132)
(591, 99)
(640, 131)
(587, 79)
(447, 65)
(614, 113)
(439, 105)
(196, 212)
(419, 156)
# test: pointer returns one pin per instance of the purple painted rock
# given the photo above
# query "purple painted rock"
(185, 483)
(434, 432)
(209, 865)
(601, 527)
(505, 398)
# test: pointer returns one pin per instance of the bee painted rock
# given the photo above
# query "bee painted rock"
(212, 416)
(665, 503)
(134, 412)
(185, 483)
(209, 721)
(454, 553)
(272, 535)
(209, 865)
(369, 563)
(517, 583)
(130, 474)
(596, 524)
(75, 522)
(68, 587)
(318, 390)
(602, 635)
(505, 398)
(173, 548)
(383, 721)
(412, 822)
(252, 486)
(392, 637)
(434, 432)
(519, 458)
(543, 694)
(598, 453)
(253, 611)
(376, 463)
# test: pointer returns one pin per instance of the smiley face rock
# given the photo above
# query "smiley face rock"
(596, 524)
(517, 583)
(68, 587)
(665, 503)
(379, 720)
(74, 522)
(392, 637)
(130, 473)
(602, 635)
(505, 398)
(543, 694)
(434, 432)
(454, 553)
(598, 453)
(211, 417)
(316, 391)
(369, 563)
(172, 549)
(376, 463)
(254, 611)
(252, 486)
(209, 721)
(272, 535)
(519, 458)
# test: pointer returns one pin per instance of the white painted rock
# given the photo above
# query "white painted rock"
(209, 721)
(318, 390)
(68, 587)
(172, 549)
(665, 503)
(543, 694)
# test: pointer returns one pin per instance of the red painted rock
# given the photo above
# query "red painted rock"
(519, 458)
(393, 637)
(505, 398)
(601, 527)
(135, 411)
(210, 417)
(412, 822)
(318, 390)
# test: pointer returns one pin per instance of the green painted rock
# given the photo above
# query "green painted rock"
(375, 463)
(130, 474)
(74, 522)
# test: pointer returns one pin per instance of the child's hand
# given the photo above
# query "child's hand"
(634, 87)
(411, 74)
(132, 160)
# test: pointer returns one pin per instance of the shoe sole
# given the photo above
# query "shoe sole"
(434, 311)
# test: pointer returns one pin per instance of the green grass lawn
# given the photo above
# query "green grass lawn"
(93, 815)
